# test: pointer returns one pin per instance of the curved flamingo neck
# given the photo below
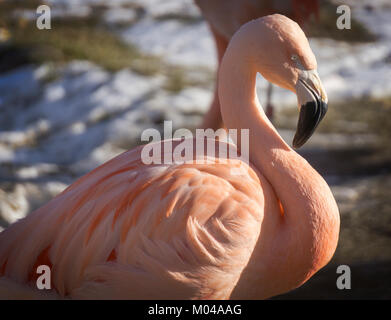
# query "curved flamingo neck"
(240, 107)
(305, 234)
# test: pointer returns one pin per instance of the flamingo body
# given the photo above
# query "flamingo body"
(126, 228)
(188, 230)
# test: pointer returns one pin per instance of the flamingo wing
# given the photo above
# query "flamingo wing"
(136, 231)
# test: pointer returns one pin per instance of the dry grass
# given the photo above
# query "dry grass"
(84, 39)
(179, 77)
(69, 39)
(358, 116)
(361, 116)
(183, 18)
(326, 26)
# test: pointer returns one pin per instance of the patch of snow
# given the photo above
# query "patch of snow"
(25, 197)
(120, 15)
(10, 88)
(157, 7)
(71, 117)
(177, 43)
(33, 172)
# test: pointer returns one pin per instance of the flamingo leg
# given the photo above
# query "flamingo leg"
(213, 117)
(269, 105)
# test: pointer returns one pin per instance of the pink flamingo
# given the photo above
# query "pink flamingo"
(226, 16)
(128, 230)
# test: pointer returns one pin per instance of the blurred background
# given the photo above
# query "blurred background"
(79, 94)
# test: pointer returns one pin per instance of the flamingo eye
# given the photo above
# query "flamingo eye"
(294, 57)
(296, 60)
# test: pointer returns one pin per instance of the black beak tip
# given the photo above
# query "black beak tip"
(298, 141)
(310, 116)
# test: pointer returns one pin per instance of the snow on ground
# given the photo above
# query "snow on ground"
(82, 110)
(348, 71)
(175, 31)
(53, 131)
(181, 44)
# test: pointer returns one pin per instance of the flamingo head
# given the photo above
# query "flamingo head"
(284, 57)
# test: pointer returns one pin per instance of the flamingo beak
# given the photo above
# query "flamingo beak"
(312, 101)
